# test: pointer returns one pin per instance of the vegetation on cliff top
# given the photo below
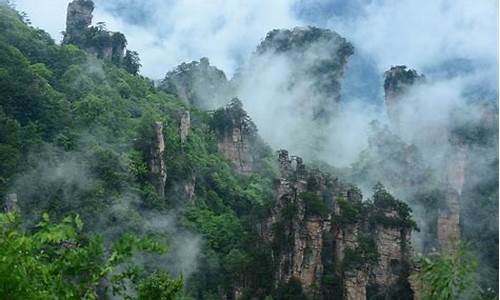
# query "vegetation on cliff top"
(75, 139)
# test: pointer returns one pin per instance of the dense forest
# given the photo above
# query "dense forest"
(115, 186)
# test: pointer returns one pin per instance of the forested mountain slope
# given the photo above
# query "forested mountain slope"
(98, 165)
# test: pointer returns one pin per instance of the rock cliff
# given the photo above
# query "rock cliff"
(315, 59)
(198, 83)
(333, 244)
(157, 166)
(398, 80)
(185, 125)
(397, 85)
(237, 134)
(104, 44)
(78, 20)
(448, 224)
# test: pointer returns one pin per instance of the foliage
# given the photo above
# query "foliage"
(289, 291)
(197, 83)
(58, 261)
(350, 212)
(314, 204)
(398, 79)
(160, 286)
(232, 116)
(364, 254)
(448, 275)
(132, 62)
(385, 202)
(76, 134)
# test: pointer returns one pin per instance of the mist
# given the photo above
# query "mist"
(454, 43)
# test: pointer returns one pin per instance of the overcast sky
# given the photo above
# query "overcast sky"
(423, 34)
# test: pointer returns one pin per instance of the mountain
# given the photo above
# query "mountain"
(114, 187)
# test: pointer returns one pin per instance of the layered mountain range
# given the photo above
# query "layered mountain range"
(186, 159)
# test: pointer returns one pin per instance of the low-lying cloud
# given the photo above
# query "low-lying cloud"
(166, 33)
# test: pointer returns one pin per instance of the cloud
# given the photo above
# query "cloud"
(49, 15)
(432, 36)
(418, 33)
(226, 31)
(423, 33)
(166, 33)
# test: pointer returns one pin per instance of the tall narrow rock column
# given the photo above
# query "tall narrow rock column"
(158, 169)
(78, 19)
(185, 126)
(398, 80)
(448, 230)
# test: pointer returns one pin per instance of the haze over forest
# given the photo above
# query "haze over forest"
(289, 149)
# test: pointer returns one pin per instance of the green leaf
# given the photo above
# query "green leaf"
(78, 222)
(45, 217)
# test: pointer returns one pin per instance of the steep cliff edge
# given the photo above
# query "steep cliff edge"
(78, 20)
(315, 61)
(107, 45)
(397, 85)
(397, 81)
(237, 134)
(198, 83)
(157, 166)
(249, 227)
(331, 243)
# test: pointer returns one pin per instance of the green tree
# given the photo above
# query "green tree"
(58, 261)
(132, 62)
(449, 275)
(160, 286)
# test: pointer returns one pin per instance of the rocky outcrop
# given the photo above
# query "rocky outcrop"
(189, 189)
(298, 73)
(448, 223)
(104, 44)
(78, 20)
(199, 84)
(398, 80)
(157, 166)
(354, 281)
(355, 285)
(320, 228)
(315, 58)
(236, 149)
(185, 125)
(238, 141)
(298, 238)
(394, 249)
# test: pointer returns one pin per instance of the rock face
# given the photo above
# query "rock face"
(394, 249)
(238, 140)
(189, 188)
(448, 224)
(298, 73)
(397, 81)
(314, 56)
(298, 239)
(236, 149)
(157, 166)
(199, 84)
(78, 19)
(185, 125)
(104, 44)
(355, 285)
(320, 229)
